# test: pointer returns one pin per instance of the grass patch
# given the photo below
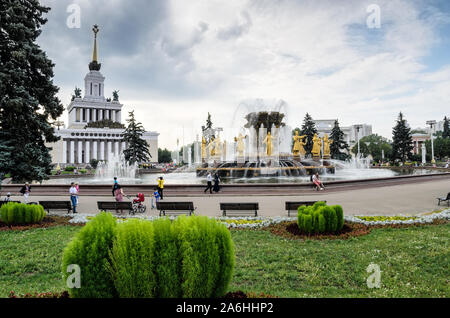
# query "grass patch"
(415, 262)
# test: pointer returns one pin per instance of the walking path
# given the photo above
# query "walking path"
(409, 199)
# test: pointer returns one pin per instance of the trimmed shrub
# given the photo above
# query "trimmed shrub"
(69, 168)
(13, 213)
(90, 250)
(189, 257)
(320, 218)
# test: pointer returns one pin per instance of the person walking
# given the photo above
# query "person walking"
(161, 187)
(26, 190)
(216, 187)
(73, 197)
(118, 194)
(114, 187)
(209, 181)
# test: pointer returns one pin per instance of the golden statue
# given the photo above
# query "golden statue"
(240, 147)
(299, 144)
(217, 147)
(268, 141)
(212, 151)
(317, 144)
(326, 146)
(203, 147)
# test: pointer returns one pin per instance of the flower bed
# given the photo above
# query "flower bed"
(399, 219)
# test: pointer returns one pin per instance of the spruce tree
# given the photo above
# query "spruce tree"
(308, 129)
(337, 135)
(402, 144)
(137, 149)
(28, 102)
(446, 132)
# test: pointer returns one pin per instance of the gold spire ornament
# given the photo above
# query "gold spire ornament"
(95, 65)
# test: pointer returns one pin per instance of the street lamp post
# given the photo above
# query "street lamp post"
(432, 123)
(358, 127)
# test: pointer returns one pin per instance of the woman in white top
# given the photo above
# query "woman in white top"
(73, 197)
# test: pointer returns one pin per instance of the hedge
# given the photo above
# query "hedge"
(187, 257)
(90, 250)
(13, 213)
(320, 218)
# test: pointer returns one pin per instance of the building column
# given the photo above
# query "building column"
(94, 149)
(100, 114)
(114, 115)
(72, 151)
(109, 151)
(116, 148)
(102, 150)
(124, 146)
(80, 151)
(106, 114)
(88, 115)
(64, 150)
(87, 151)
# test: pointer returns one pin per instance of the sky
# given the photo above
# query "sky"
(173, 61)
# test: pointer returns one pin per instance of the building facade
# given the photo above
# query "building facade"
(351, 134)
(80, 142)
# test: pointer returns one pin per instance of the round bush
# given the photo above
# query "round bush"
(90, 250)
(189, 257)
(320, 218)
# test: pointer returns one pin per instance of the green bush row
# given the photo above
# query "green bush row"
(320, 218)
(14, 213)
(187, 257)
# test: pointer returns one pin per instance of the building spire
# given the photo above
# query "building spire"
(94, 65)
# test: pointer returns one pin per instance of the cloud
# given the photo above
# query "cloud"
(174, 61)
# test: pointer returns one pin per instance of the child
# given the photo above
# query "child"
(155, 195)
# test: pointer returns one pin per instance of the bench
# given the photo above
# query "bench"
(239, 209)
(444, 199)
(295, 205)
(56, 205)
(114, 206)
(4, 202)
(175, 207)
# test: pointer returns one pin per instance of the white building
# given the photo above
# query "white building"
(79, 144)
(351, 135)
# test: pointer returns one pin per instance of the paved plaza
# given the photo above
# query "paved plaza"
(409, 199)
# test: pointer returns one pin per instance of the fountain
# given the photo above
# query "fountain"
(116, 166)
(265, 152)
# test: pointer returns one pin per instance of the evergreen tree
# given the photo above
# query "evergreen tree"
(138, 149)
(402, 144)
(308, 129)
(28, 102)
(337, 135)
(446, 132)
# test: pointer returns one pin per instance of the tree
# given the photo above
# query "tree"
(337, 135)
(164, 156)
(446, 132)
(441, 147)
(308, 129)
(28, 102)
(138, 149)
(374, 145)
(402, 144)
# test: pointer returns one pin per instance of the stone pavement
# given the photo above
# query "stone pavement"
(407, 199)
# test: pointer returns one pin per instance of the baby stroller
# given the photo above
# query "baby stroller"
(138, 204)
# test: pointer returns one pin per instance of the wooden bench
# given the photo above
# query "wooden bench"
(114, 206)
(444, 199)
(4, 202)
(56, 205)
(175, 207)
(294, 205)
(239, 209)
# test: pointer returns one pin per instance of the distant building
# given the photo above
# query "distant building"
(325, 126)
(79, 143)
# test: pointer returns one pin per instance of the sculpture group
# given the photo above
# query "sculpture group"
(215, 147)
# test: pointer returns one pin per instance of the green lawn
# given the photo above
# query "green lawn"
(415, 262)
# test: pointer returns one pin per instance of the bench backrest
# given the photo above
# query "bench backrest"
(175, 206)
(294, 205)
(110, 205)
(239, 206)
(55, 204)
